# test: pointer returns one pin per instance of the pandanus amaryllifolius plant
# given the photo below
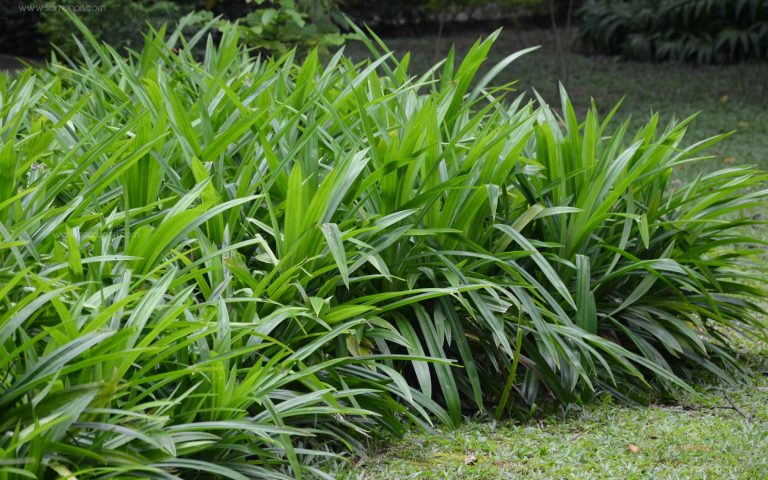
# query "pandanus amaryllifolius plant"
(237, 267)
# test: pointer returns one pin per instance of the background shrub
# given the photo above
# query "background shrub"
(703, 31)
(279, 26)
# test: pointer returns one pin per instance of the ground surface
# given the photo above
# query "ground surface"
(9, 63)
(719, 434)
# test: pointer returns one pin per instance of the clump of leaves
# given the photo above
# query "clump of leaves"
(703, 31)
(237, 267)
(282, 25)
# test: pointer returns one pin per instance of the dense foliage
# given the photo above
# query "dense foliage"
(704, 31)
(226, 268)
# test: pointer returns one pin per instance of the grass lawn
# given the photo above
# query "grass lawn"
(719, 433)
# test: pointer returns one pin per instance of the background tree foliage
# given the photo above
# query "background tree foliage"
(702, 31)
